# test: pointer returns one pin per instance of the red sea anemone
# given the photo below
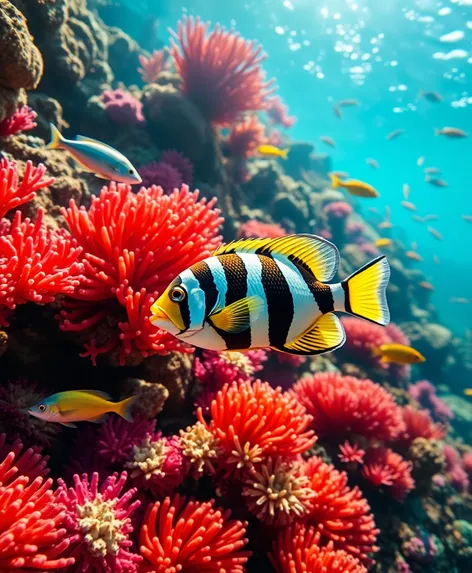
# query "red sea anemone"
(386, 469)
(133, 246)
(297, 550)
(98, 521)
(221, 72)
(151, 67)
(185, 535)
(254, 228)
(418, 424)
(351, 453)
(245, 137)
(343, 405)
(117, 437)
(254, 421)
(23, 119)
(340, 514)
(31, 534)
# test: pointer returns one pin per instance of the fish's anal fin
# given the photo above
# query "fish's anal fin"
(68, 424)
(315, 254)
(99, 419)
(325, 335)
(236, 317)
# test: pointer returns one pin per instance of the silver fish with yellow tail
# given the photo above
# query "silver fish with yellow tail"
(258, 293)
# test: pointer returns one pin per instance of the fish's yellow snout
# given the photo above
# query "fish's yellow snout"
(158, 313)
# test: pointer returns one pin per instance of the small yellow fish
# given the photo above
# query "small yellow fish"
(80, 406)
(468, 391)
(385, 225)
(398, 354)
(328, 140)
(394, 134)
(383, 242)
(414, 256)
(272, 151)
(436, 234)
(354, 187)
(452, 132)
(426, 285)
(96, 157)
(408, 205)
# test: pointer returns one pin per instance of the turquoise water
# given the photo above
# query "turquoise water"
(383, 54)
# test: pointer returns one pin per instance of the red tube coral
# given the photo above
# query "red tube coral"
(183, 535)
(297, 550)
(221, 72)
(98, 521)
(12, 194)
(31, 533)
(254, 421)
(351, 453)
(29, 463)
(343, 405)
(418, 424)
(340, 514)
(36, 263)
(23, 119)
(151, 67)
(244, 138)
(387, 469)
(134, 245)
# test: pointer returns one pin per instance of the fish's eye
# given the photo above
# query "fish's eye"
(131, 172)
(41, 408)
(177, 294)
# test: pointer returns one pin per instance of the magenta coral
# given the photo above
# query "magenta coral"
(162, 174)
(342, 406)
(23, 119)
(12, 194)
(351, 453)
(31, 534)
(455, 470)
(117, 437)
(123, 108)
(221, 72)
(277, 113)
(125, 269)
(338, 209)
(255, 228)
(36, 263)
(245, 137)
(178, 161)
(98, 521)
(425, 394)
(418, 424)
(361, 338)
(387, 469)
(185, 535)
(151, 67)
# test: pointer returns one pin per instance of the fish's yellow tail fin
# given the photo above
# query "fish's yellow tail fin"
(365, 294)
(56, 138)
(124, 407)
(335, 181)
(284, 153)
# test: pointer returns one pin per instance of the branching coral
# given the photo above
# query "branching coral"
(386, 469)
(183, 535)
(31, 534)
(151, 67)
(254, 421)
(343, 405)
(245, 137)
(133, 246)
(98, 521)
(254, 228)
(23, 119)
(340, 514)
(297, 550)
(221, 72)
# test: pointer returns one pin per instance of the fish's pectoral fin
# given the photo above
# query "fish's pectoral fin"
(236, 317)
(99, 419)
(314, 254)
(325, 335)
(68, 424)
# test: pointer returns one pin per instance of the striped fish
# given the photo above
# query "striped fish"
(258, 293)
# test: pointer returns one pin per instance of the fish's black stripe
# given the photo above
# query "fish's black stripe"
(279, 297)
(321, 292)
(236, 279)
(203, 274)
(347, 302)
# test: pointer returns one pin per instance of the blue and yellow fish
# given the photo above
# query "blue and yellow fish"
(96, 157)
(80, 406)
(258, 293)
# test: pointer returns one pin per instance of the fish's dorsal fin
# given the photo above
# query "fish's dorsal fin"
(314, 254)
(325, 335)
(236, 317)
(98, 393)
(86, 139)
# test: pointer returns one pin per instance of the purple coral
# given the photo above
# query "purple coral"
(122, 107)
(116, 438)
(455, 470)
(178, 161)
(162, 174)
(425, 393)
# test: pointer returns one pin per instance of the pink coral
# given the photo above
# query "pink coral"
(387, 469)
(178, 161)
(98, 521)
(343, 406)
(425, 394)
(151, 67)
(277, 113)
(123, 108)
(162, 174)
(418, 424)
(125, 269)
(23, 119)
(467, 463)
(455, 470)
(351, 453)
(117, 437)
(255, 228)
(221, 72)
(338, 209)
(245, 137)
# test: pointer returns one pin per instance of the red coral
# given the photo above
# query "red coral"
(418, 424)
(340, 514)
(277, 112)
(338, 209)
(254, 421)
(343, 405)
(134, 245)
(220, 71)
(183, 535)
(178, 161)
(297, 550)
(23, 119)
(13, 195)
(162, 174)
(98, 521)
(36, 263)
(351, 453)
(245, 137)
(31, 533)
(151, 67)
(254, 228)
(467, 463)
(387, 469)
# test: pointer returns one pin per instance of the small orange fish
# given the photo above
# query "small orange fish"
(354, 187)
(383, 242)
(328, 140)
(436, 234)
(459, 300)
(408, 205)
(272, 151)
(426, 285)
(385, 225)
(394, 134)
(468, 391)
(398, 354)
(414, 256)
(452, 132)
(372, 162)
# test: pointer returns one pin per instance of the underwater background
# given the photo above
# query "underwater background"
(251, 459)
